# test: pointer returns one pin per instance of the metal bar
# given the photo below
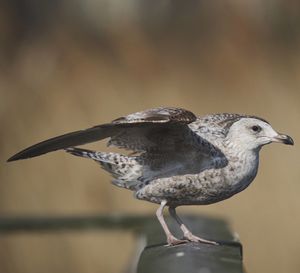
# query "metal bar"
(156, 256)
(14, 224)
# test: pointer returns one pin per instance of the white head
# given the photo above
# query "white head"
(252, 133)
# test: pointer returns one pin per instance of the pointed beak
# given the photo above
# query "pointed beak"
(285, 139)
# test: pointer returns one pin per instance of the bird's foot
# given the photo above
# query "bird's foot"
(193, 238)
(173, 241)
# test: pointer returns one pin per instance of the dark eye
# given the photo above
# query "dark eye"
(256, 128)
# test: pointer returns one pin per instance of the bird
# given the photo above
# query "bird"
(174, 157)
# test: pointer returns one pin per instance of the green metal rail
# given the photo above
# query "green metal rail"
(155, 255)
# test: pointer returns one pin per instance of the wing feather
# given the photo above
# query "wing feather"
(144, 126)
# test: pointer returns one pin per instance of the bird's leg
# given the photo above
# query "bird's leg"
(171, 239)
(186, 232)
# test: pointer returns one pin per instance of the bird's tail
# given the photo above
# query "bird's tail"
(126, 170)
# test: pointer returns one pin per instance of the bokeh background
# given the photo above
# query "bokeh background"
(67, 65)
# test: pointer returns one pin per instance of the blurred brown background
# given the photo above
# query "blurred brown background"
(68, 65)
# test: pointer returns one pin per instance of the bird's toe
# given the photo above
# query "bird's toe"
(172, 241)
(192, 238)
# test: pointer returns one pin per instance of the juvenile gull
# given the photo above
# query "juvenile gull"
(178, 158)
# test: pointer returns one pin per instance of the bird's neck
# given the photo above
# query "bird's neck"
(242, 167)
(235, 153)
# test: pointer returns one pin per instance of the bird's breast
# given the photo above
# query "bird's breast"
(240, 171)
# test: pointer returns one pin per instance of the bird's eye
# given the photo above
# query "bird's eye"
(256, 128)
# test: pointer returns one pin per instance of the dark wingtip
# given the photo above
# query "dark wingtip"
(16, 157)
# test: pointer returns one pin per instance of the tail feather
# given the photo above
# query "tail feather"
(126, 170)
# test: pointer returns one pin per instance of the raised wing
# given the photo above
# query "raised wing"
(141, 131)
(159, 115)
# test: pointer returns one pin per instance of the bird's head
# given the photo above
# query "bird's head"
(252, 133)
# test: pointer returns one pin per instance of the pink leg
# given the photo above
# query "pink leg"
(171, 239)
(186, 232)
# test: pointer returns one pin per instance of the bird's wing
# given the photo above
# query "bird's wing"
(159, 128)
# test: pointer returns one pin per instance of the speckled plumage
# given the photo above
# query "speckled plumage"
(185, 165)
(178, 158)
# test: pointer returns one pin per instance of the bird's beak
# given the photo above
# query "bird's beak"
(285, 139)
